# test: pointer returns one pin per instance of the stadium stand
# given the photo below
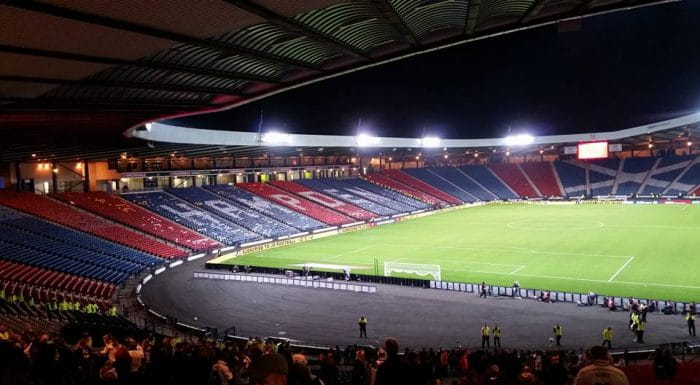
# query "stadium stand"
(378, 194)
(687, 181)
(289, 217)
(664, 173)
(489, 180)
(328, 201)
(573, 177)
(543, 177)
(416, 183)
(464, 182)
(240, 215)
(119, 210)
(601, 174)
(297, 203)
(193, 217)
(392, 184)
(441, 183)
(341, 193)
(515, 178)
(634, 172)
(65, 215)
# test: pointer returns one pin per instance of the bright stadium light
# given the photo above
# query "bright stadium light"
(519, 140)
(430, 141)
(365, 140)
(149, 126)
(274, 137)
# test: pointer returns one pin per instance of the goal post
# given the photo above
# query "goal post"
(413, 268)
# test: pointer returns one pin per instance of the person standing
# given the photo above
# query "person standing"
(640, 331)
(600, 368)
(558, 333)
(690, 319)
(363, 326)
(607, 337)
(485, 336)
(496, 336)
(482, 291)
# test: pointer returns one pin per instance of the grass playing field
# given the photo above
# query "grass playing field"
(644, 251)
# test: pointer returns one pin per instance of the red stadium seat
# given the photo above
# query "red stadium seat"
(325, 200)
(421, 186)
(393, 184)
(514, 177)
(542, 175)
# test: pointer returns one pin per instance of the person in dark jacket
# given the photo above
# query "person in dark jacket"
(393, 371)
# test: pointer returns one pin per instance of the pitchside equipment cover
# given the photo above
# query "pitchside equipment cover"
(412, 268)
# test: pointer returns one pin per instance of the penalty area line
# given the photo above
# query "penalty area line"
(518, 269)
(621, 268)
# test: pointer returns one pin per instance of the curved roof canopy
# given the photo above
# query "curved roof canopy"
(105, 64)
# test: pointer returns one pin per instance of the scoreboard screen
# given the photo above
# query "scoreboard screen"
(593, 150)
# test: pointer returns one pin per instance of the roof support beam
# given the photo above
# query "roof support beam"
(472, 17)
(17, 103)
(396, 21)
(120, 84)
(297, 27)
(532, 11)
(120, 62)
(70, 14)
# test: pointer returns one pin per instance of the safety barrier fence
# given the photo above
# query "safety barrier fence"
(297, 281)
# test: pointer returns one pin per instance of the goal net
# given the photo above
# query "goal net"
(412, 268)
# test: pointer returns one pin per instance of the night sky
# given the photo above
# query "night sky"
(619, 70)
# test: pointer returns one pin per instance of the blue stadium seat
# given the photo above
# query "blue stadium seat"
(487, 179)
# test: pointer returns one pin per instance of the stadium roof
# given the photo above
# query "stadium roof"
(96, 67)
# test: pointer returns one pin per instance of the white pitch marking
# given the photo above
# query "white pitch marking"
(532, 251)
(517, 270)
(621, 268)
(462, 262)
(348, 253)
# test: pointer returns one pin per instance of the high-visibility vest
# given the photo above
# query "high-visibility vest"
(640, 326)
(362, 321)
(607, 334)
(690, 317)
(558, 331)
(485, 331)
(496, 332)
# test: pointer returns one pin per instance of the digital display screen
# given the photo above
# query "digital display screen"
(593, 150)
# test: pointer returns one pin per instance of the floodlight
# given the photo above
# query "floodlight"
(689, 143)
(430, 141)
(149, 126)
(365, 140)
(274, 137)
(519, 140)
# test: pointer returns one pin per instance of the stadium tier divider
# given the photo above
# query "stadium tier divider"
(493, 290)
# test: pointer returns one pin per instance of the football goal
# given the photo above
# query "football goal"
(412, 268)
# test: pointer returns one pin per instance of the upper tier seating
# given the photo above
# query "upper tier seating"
(119, 210)
(634, 171)
(687, 183)
(393, 184)
(422, 186)
(193, 217)
(325, 200)
(459, 178)
(287, 216)
(573, 177)
(341, 193)
(429, 177)
(542, 175)
(511, 174)
(68, 216)
(602, 173)
(240, 215)
(42, 280)
(665, 172)
(488, 179)
(297, 203)
(378, 194)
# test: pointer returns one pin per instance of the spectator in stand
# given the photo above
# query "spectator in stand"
(360, 369)
(393, 371)
(600, 371)
(270, 369)
(221, 373)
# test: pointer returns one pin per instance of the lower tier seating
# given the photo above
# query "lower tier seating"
(511, 174)
(392, 184)
(325, 200)
(327, 186)
(542, 175)
(418, 184)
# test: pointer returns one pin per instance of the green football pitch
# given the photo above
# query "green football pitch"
(642, 251)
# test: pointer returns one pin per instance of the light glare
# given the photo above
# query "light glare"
(430, 141)
(364, 140)
(519, 140)
(274, 137)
